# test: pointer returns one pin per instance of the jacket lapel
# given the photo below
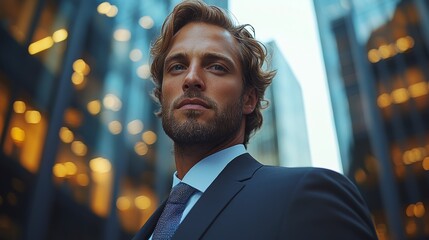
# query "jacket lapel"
(146, 231)
(224, 188)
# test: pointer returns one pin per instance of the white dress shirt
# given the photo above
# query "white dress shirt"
(202, 174)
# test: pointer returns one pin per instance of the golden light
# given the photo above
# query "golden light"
(410, 41)
(123, 203)
(103, 7)
(410, 210)
(112, 102)
(149, 137)
(135, 55)
(79, 148)
(146, 22)
(94, 107)
(77, 78)
(60, 35)
(80, 66)
(374, 56)
(419, 152)
(135, 127)
(115, 127)
(384, 100)
(425, 164)
(40, 45)
(408, 157)
(100, 165)
(59, 170)
(122, 35)
(33, 116)
(418, 89)
(19, 106)
(143, 71)
(419, 210)
(142, 202)
(392, 49)
(113, 11)
(141, 148)
(71, 168)
(82, 179)
(384, 51)
(400, 95)
(402, 44)
(17, 134)
(66, 135)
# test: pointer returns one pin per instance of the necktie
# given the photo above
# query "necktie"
(173, 210)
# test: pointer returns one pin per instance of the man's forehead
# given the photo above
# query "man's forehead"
(207, 37)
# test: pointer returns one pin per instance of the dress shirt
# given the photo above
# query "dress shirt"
(202, 174)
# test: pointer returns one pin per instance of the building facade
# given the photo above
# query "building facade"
(283, 138)
(376, 57)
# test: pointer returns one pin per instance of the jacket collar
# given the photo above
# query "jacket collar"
(216, 198)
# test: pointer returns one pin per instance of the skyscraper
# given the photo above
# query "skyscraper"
(376, 56)
(283, 138)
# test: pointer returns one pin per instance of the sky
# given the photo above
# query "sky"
(292, 24)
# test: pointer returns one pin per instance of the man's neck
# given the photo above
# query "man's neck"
(186, 156)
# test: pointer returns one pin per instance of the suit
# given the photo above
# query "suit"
(249, 200)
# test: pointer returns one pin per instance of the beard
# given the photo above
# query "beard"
(225, 123)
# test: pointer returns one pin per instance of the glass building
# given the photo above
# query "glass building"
(283, 138)
(376, 57)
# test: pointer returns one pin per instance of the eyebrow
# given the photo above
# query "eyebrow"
(175, 57)
(219, 56)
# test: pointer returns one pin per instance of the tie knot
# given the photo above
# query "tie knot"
(181, 193)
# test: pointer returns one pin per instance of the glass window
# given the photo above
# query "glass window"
(26, 134)
(51, 33)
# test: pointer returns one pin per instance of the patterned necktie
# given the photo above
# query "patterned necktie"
(170, 217)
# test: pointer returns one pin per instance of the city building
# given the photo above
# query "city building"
(376, 57)
(283, 138)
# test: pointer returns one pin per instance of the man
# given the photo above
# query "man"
(210, 85)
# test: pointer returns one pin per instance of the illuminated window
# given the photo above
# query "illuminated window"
(25, 139)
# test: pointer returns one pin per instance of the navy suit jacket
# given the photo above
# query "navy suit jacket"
(249, 200)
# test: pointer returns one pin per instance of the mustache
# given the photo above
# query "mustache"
(195, 94)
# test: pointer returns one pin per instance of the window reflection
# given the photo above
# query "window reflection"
(25, 135)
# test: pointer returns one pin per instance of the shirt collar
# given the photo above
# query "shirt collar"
(202, 174)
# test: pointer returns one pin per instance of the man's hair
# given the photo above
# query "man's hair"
(252, 53)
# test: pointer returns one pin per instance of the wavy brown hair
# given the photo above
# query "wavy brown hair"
(252, 53)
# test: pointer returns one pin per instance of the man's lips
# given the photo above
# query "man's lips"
(192, 104)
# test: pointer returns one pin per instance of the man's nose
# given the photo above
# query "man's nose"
(194, 79)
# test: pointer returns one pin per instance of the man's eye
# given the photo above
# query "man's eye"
(177, 67)
(217, 67)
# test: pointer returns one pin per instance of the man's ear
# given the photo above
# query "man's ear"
(249, 101)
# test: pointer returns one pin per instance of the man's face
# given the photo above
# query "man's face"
(202, 87)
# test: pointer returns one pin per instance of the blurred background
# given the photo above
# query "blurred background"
(82, 155)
